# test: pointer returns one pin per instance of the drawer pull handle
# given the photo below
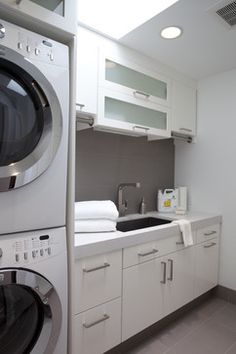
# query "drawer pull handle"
(209, 233)
(91, 324)
(88, 270)
(180, 243)
(186, 129)
(144, 94)
(147, 253)
(171, 277)
(163, 281)
(210, 245)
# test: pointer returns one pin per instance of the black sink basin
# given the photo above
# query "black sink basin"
(142, 223)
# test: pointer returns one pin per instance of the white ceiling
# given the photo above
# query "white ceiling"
(206, 47)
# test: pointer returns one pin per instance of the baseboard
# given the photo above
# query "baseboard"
(134, 341)
(226, 294)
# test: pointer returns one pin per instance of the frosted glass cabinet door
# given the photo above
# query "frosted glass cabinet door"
(117, 110)
(127, 77)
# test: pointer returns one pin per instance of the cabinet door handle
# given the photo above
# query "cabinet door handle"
(144, 254)
(210, 245)
(180, 243)
(88, 270)
(144, 94)
(186, 129)
(140, 127)
(210, 233)
(163, 281)
(91, 324)
(171, 269)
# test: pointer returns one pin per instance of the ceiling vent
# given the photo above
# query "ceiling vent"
(228, 13)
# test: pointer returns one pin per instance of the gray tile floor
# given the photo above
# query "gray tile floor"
(208, 329)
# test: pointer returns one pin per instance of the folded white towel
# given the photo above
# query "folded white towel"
(95, 225)
(96, 209)
(185, 228)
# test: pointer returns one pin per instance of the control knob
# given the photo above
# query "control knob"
(2, 31)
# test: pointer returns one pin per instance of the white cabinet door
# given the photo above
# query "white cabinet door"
(142, 296)
(99, 329)
(87, 72)
(183, 109)
(56, 13)
(179, 279)
(118, 73)
(132, 116)
(206, 271)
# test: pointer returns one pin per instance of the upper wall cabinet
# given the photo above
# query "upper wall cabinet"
(184, 105)
(60, 14)
(132, 99)
(128, 93)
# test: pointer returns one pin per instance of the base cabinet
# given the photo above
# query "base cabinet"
(154, 289)
(206, 273)
(99, 329)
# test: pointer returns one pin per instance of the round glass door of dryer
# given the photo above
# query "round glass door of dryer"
(30, 121)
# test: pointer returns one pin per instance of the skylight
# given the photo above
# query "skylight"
(117, 18)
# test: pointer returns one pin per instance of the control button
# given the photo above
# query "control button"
(1, 252)
(51, 57)
(2, 31)
(19, 45)
(28, 48)
(49, 251)
(25, 256)
(47, 43)
(37, 51)
(33, 254)
(17, 257)
(41, 252)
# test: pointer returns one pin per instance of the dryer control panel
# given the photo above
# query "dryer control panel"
(30, 247)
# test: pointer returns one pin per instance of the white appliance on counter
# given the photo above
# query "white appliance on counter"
(172, 200)
(33, 292)
(34, 114)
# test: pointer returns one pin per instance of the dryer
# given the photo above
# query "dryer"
(33, 293)
(34, 114)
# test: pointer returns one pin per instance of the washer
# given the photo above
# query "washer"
(33, 293)
(34, 101)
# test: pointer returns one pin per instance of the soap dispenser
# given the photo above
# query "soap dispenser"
(143, 206)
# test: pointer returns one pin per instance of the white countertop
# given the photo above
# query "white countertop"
(89, 244)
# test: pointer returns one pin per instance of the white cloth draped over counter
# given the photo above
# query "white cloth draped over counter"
(95, 216)
(185, 228)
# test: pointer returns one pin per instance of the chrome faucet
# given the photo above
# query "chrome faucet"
(123, 205)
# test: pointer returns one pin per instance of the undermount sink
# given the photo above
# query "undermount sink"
(142, 223)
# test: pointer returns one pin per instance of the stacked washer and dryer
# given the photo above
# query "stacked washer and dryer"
(34, 101)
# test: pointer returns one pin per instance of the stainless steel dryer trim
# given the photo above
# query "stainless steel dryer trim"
(47, 340)
(25, 171)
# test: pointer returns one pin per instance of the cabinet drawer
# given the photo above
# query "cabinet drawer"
(207, 233)
(97, 280)
(99, 329)
(146, 251)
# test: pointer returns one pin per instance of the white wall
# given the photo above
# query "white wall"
(208, 167)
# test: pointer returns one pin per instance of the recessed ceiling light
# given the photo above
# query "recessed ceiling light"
(171, 32)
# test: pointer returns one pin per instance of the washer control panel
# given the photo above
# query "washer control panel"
(31, 247)
(32, 45)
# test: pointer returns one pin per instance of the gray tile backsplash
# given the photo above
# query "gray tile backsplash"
(103, 160)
